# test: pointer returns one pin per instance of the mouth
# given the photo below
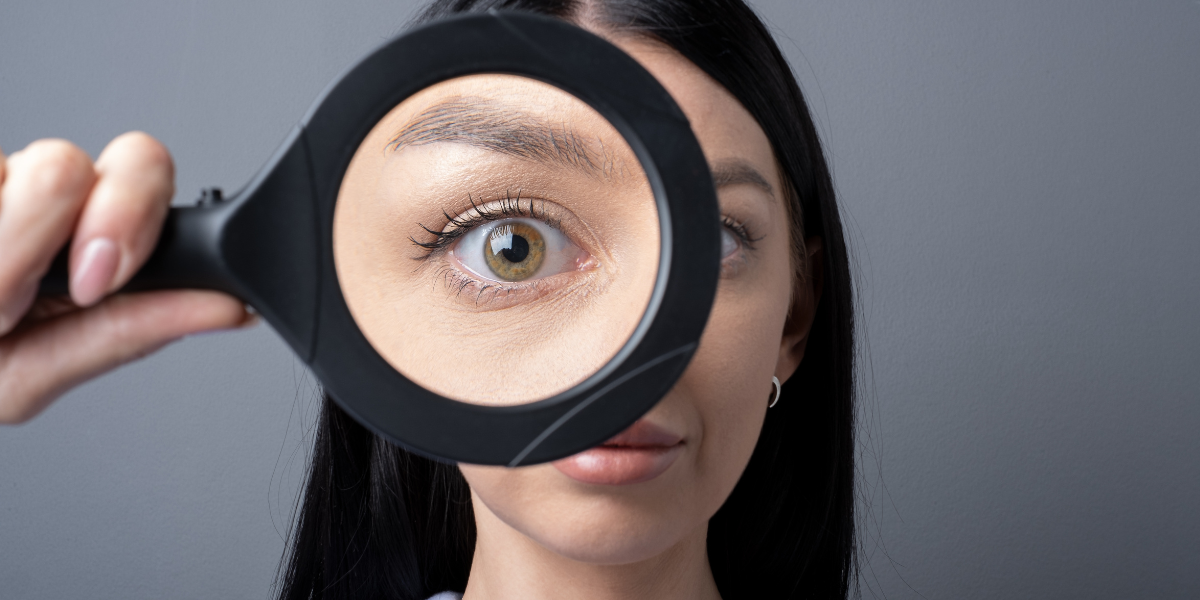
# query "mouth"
(638, 454)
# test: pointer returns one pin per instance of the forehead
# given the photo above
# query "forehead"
(529, 94)
(725, 129)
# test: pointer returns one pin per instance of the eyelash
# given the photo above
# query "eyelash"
(509, 207)
(480, 213)
(458, 282)
(740, 231)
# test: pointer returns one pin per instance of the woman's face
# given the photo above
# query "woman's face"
(582, 270)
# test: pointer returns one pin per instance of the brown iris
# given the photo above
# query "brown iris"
(514, 251)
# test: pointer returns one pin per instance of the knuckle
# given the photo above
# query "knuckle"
(15, 412)
(57, 169)
(15, 405)
(140, 150)
(141, 166)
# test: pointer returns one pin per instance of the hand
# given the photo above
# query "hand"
(112, 211)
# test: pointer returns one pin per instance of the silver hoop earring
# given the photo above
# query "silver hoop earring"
(774, 398)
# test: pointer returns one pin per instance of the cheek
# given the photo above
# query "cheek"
(729, 379)
(722, 398)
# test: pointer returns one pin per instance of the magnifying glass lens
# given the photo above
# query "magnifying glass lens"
(496, 240)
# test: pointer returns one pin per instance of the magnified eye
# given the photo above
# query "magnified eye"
(514, 250)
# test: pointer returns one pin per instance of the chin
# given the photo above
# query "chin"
(608, 525)
(603, 537)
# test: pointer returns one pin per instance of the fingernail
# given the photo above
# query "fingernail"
(97, 267)
(11, 313)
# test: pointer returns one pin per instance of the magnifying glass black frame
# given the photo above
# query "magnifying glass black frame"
(271, 244)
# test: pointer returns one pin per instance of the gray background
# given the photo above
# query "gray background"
(1020, 183)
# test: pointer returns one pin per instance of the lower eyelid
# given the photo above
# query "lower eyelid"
(477, 294)
(737, 260)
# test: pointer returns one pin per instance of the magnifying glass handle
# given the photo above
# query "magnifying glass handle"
(186, 256)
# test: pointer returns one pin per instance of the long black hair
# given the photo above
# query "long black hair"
(376, 521)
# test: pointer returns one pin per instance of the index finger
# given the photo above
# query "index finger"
(123, 216)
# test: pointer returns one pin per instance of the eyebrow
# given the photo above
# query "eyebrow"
(737, 172)
(505, 129)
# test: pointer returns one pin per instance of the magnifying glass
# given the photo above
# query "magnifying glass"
(494, 240)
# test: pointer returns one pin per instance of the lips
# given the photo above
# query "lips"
(638, 454)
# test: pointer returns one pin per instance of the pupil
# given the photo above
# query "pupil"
(517, 251)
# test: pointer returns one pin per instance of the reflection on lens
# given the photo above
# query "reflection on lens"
(496, 240)
(514, 251)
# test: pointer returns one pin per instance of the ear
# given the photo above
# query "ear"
(805, 295)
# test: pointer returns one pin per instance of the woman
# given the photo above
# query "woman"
(754, 501)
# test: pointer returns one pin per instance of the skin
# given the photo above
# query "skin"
(541, 534)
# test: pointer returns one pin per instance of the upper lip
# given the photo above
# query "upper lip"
(644, 434)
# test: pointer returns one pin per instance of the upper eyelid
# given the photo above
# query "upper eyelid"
(740, 228)
(481, 213)
(508, 206)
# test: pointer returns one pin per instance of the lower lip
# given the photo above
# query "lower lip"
(619, 465)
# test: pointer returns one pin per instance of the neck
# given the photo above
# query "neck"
(510, 565)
